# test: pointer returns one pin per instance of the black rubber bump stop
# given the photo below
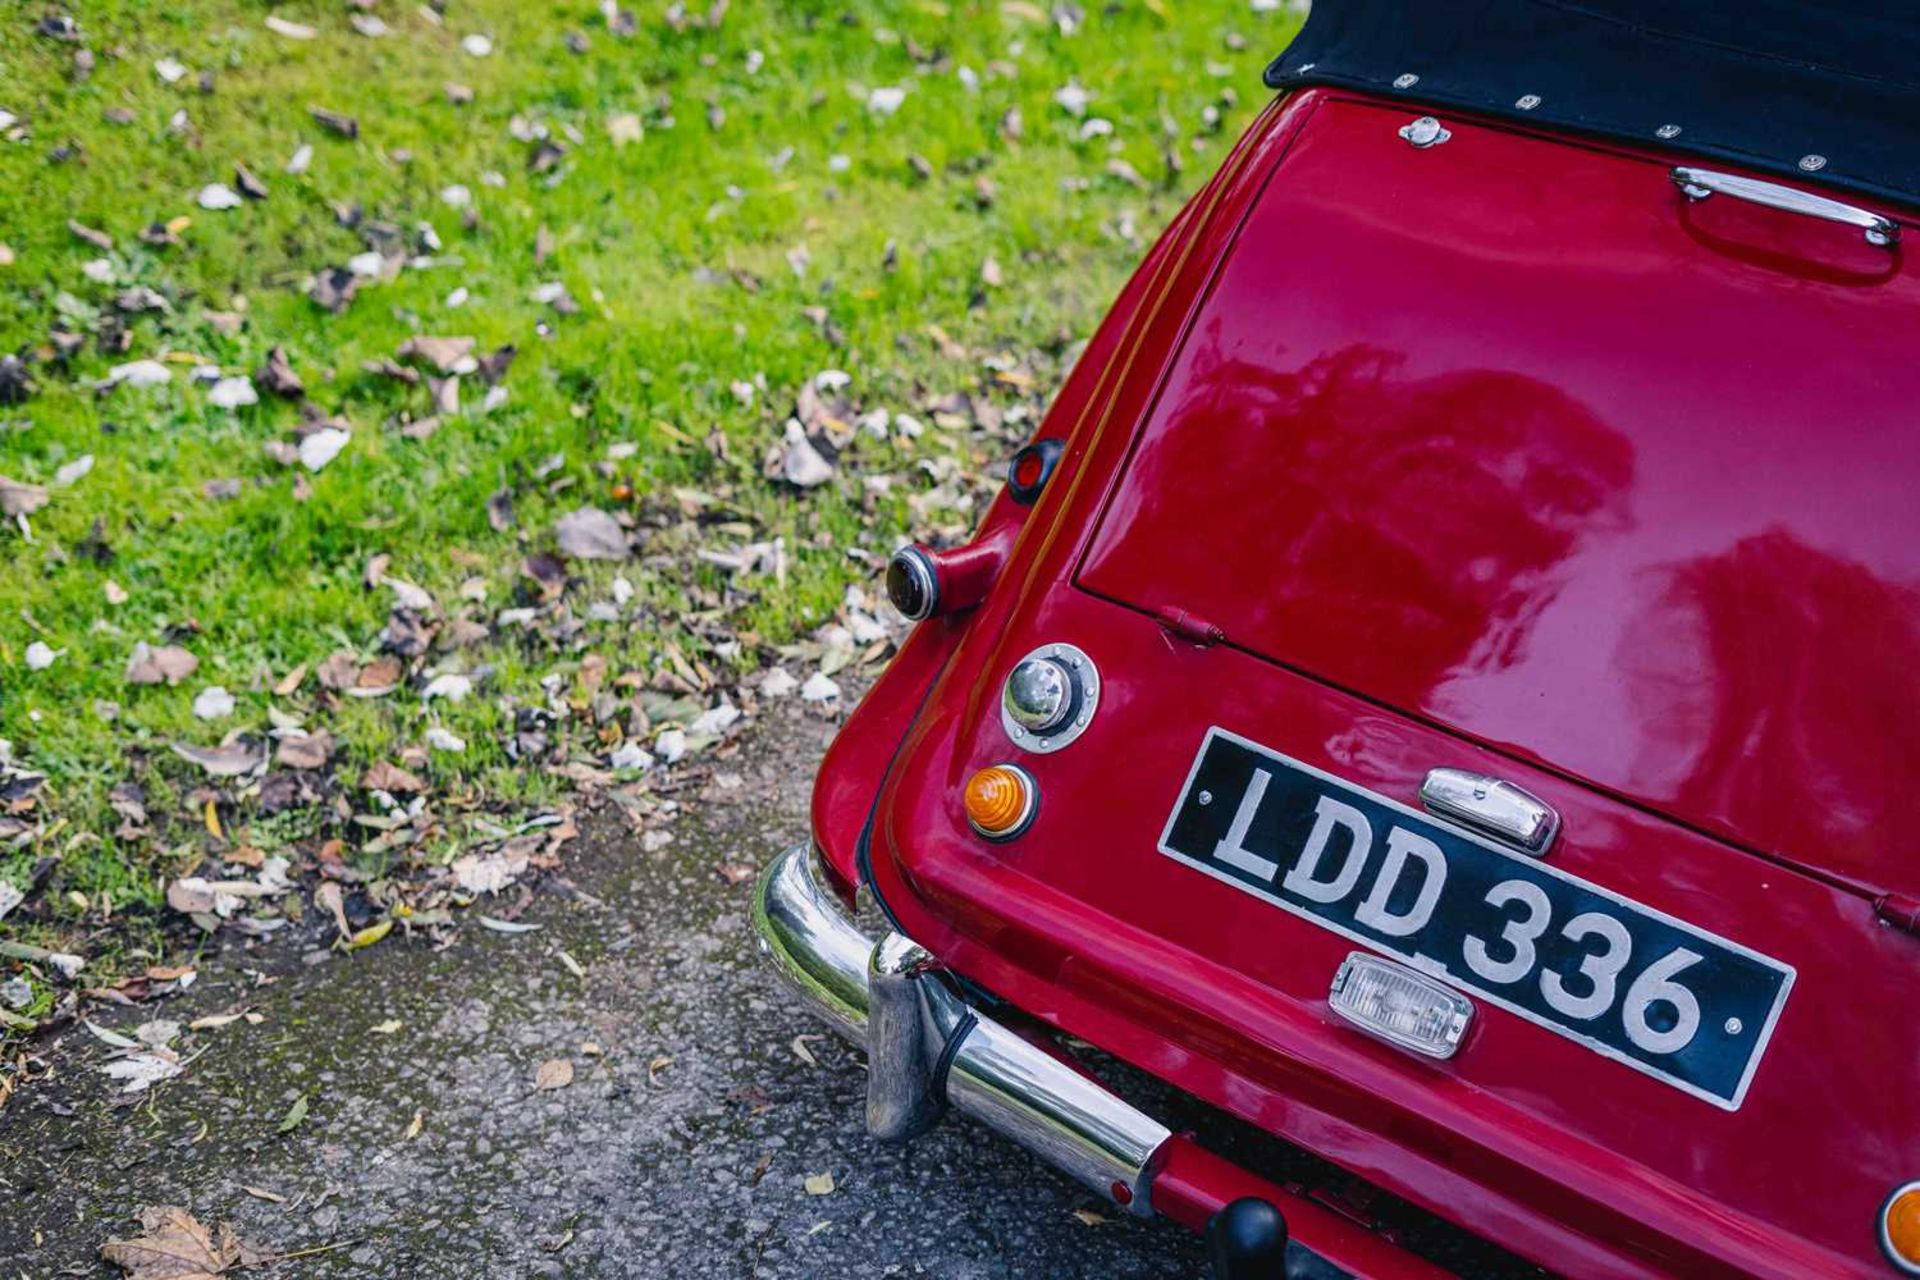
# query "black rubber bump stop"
(1247, 1240)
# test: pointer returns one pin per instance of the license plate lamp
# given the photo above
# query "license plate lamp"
(1402, 1007)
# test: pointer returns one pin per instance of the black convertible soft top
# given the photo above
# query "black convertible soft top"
(1828, 93)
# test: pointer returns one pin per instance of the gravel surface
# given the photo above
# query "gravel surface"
(682, 1146)
(705, 1111)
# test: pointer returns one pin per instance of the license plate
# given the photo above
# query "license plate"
(1634, 984)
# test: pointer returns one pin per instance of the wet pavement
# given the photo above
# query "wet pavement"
(682, 1147)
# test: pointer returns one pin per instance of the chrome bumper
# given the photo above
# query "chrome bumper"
(928, 1049)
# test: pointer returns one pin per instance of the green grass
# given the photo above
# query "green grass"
(649, 238)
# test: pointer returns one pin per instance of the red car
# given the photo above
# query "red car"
(1443, 686)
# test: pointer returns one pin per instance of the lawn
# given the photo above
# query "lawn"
(894, 223)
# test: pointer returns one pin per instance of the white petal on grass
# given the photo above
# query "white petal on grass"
(495, 397)
(476, 45)
(41, 655)
(291, 30)
(369, 265)
(233, 393)
(1072, 98)
(1098, 127)
(452, 687)
(831, 379)
(213, 703)
(457, 195)
(169, 69)
(369, 25)
(218, 195)
(139, 373)
(671, 745)
(140, 1071)
(73, 472)
(98, 270)
(819, 688)
(839, 163)
(444, 740)
(714, 721)
(322, 447)
(886, 99)
(800, 462)
(631, 755)
(551, 291)
(301, 158)
(409, 596)
(458, 298)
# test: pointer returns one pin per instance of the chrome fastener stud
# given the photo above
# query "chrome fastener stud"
(1425, 132)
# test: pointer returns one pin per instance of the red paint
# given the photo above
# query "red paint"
(965, 574)
(1499, 456)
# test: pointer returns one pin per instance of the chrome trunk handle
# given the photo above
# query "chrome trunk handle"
(1698, 184)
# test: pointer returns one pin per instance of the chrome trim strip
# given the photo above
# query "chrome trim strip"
(1698, 184)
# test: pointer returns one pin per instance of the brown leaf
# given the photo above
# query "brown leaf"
(98, 239)
(444, 354)
(230, 761)
(291, 682)
(308, 751)
(175, 1247)
(248, 184)
(169, 664)
(384, 776)
(339, 672)
(328, 898)
(500, 510)
(377, 677)
(555, 1073)
(18, 499)
(548, 572)
(333, 288)
(335, 122)
(591, 534)
(277, 376)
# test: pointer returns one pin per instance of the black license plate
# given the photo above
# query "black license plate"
(1631, 983)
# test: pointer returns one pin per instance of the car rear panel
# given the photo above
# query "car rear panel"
(1509, 435)
(1525, 1136)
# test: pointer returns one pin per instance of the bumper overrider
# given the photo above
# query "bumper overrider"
(928, 1050)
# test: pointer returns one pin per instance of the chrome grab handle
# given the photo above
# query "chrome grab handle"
(1698, 184)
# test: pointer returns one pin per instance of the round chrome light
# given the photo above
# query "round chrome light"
(1050, 697)
(1039, 695)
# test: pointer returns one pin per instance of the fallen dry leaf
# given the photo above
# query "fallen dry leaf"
(277, 376)
(306, 750)
(448, 355)
(18, 499)
(335, 122)
(591, 534)
(175, 1246)
(230, 761)
(554, 1073)
(384, 776)
(169, 664)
